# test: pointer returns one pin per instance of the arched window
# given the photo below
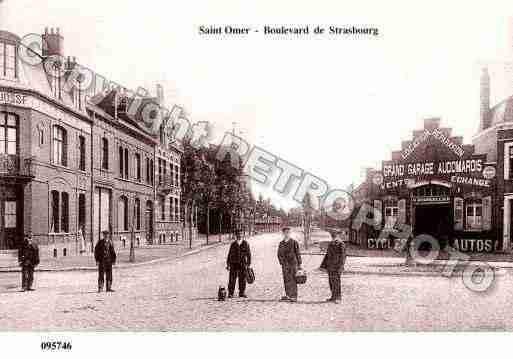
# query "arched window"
(8, 133)
(60, 142)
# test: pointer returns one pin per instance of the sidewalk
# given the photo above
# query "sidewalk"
(145, 255)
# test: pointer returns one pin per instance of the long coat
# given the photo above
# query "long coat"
(239, 254)
(335, 256)
(288, 253)
(28, 255)
(104, 252)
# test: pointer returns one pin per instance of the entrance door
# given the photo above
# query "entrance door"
(10, 220)
(435, 220)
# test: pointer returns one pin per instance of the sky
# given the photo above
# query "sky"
(330, 105)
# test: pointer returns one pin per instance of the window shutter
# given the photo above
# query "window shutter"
(401, 219)
(487, 213)
(378, 217)
(458, 213)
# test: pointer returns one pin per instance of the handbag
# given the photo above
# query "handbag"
(250, 275)
(301, 276)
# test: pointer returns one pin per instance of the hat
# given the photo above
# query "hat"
(285, 229)
(105, 232)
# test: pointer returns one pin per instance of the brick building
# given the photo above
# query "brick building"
(70, 164)
(459, 193)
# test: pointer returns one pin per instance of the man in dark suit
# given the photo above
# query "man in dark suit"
(105, 257)
(28, 258)
(290, 261)
(333, 263)
(239, 258)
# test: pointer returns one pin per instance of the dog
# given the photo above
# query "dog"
(221, 294)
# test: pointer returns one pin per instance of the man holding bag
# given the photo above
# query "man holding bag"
(333, 263)
(237, 262)
(290, 261)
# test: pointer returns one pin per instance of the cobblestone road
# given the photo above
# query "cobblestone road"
(181, 295)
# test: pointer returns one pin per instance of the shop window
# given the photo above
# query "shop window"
(8, 133)
(474, 214)
(8, 63)
(105, 153)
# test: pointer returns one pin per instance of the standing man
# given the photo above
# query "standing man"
(105, 257)
(239, 258)
(333, 263)
(290, 261)
(28, 258)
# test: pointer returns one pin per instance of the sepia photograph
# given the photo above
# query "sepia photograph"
(226, 167)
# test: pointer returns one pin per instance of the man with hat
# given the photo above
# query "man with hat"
(239, 258)
(333, 263)
(290, 261)
(28, 258)
(105, 257)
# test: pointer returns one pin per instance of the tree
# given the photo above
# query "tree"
(307, 210)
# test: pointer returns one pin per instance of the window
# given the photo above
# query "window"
(152, 173)
(105, 153)
(172, 173)
(391, 212)
(8, 133)
(123, 214)
(160, 171)
(41, 135)
(127, 164)
(164, 166)
(172, 208)
(147, 170)
(10, 214)
(8, 63)
(59, 146)
(510, 162)
(81, 211)
(121, 162)
(138, 166)
(177, 210)
(137, 214)
(162, 209)
(55, 224)
(81, 146)
(177, 176)
(474, 214)
(65, 212)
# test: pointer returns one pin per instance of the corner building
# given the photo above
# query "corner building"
(71, 165)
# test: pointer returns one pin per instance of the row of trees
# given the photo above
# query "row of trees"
(221, 193)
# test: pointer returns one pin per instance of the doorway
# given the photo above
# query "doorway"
(434, 220)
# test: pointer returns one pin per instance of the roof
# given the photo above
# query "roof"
(502, 112)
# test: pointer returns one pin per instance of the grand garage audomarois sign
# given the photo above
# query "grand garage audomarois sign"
(470, 171)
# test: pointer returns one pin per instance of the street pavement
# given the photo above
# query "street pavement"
(181, 295)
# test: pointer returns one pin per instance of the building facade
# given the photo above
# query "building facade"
(71, 166)
(460, 194)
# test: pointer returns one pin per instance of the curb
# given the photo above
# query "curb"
(120, 266)
(497, 271)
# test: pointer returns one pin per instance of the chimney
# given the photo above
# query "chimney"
(160, 94)
(53, 43)
(485, 100)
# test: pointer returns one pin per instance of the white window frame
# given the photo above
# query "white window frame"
(507, 159)
(473, 222)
